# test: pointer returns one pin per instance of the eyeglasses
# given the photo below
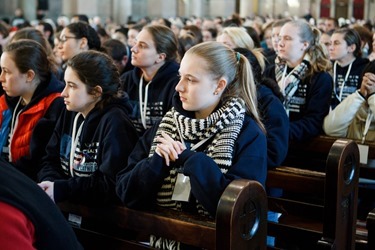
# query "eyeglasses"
(65, 38)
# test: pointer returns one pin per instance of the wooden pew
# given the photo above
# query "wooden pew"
(316, 150)
(240, 223)
(370, 225)
(320, 209)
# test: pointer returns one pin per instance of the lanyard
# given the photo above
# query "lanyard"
(13, 126)
(143, 108)
(339, 97)
(370, 115)
(74, 142)
(196, 146)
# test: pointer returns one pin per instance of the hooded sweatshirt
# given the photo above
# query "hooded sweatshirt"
(100, 150)
(347, 79)
(31, 125)
(159, 94)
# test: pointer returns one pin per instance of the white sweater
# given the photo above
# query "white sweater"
(348, 119)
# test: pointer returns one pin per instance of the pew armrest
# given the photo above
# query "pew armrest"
(242, 215)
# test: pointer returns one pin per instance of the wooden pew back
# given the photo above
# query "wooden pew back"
(240, 223)
(317, 150)
(323, 212)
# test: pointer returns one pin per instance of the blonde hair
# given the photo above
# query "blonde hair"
(310, 34)
(224, 62)
(239, 36)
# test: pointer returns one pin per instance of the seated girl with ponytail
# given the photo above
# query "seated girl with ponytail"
(210, 137)
(301, 71)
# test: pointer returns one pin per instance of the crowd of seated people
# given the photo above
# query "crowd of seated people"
(106, 113)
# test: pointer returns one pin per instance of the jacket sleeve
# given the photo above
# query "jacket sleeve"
(337, 122)
(371, 102)
(317, 107)
(51, 165)
(117, 141)
(206, 179)
(137, 185)
(42, 133)
(276, 122)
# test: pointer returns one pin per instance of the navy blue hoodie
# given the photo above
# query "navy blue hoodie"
(311, 104)
(276, 122)
(138, 184)
(107, 138)
(160, 93)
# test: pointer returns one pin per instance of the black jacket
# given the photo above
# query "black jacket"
(104, 145)
(51, 229)
(160, 93)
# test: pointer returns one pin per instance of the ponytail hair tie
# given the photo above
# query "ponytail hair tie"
(238, 56)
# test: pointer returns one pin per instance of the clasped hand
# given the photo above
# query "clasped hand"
(368, 84)
(168, 148)
(47, 186)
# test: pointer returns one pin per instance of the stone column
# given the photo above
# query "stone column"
(249, 8)
(350, 9)
(69, 7)
(333, 8)
(122, 9)
(29, 9)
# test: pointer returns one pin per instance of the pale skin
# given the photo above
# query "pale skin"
(290, 47)
(16, 83)
(200, 92)
(340, 51)
(145, 56)
(368, 84)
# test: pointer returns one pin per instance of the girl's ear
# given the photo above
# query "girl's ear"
(84, 43)
(161, 57)
(221, 85)
(30, 75)
(305, 45)
(98, 91)
(351, 48)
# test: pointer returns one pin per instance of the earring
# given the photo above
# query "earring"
(216, 93)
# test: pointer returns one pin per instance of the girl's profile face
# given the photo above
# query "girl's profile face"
(12, 80)
(75, 94)
(275, 37)
(69, 45)
(197, 86)
(290, 46)
(339, 47)
(132, 35)
(144, 54)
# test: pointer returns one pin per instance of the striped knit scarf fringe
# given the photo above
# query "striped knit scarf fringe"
(223, 126)
(299, 73)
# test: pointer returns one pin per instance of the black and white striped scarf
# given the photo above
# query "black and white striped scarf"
(290, 86)
(223, 126)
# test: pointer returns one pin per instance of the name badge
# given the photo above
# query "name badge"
(182, 188)
(363, 153)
